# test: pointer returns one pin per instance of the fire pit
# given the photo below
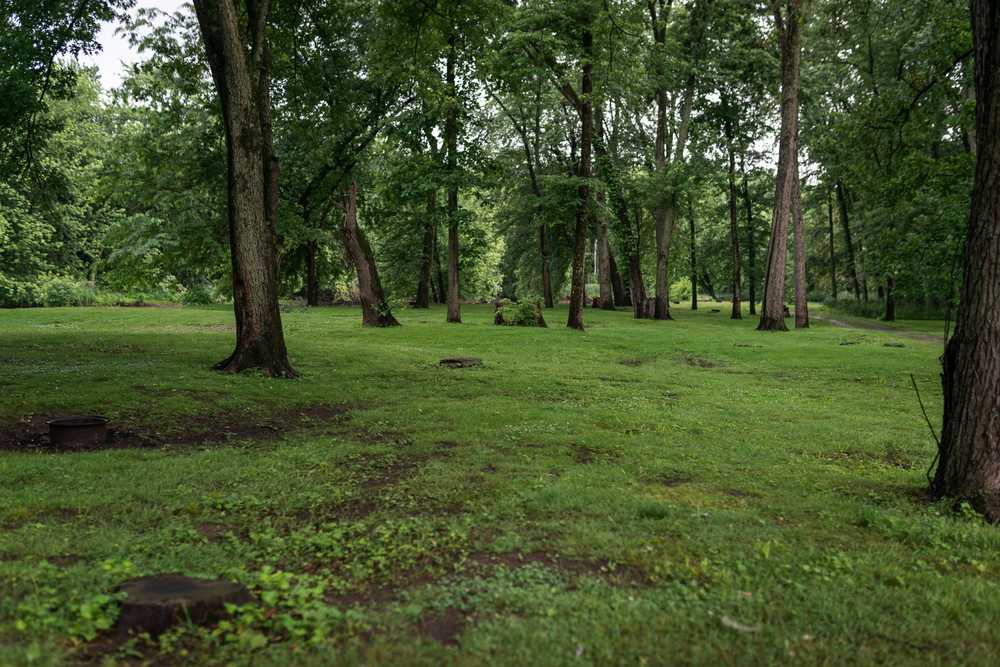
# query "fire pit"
(75, 431)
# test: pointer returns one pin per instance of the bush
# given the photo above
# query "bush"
(519, 314)
(681, 290)
(59, 291)
(197, 296)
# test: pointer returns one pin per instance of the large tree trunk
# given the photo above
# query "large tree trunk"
(242, 80)
(786, 183)
(424, 286)
(604, 267)
(375, 311)
(801, 295)
(442, 287)
(585, 110)
(734, 229)
(751, 248)
(845, 223)
(833, 254)
(969, 464)
(694, 261)
(451, 145)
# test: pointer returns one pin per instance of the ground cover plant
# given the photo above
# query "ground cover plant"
(695, 492)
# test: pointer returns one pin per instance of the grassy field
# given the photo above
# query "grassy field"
(645, 493)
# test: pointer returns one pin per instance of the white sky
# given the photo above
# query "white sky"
(115, 49)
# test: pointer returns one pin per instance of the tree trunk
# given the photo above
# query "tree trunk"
(424, 288)
(312, 279)
(242, 80)
(637, 286)
(617, 285)
(751, 248)
(604, 267)
(442, 290)
(706, 282)
(845, 223)
(451, 144)
(969, 463)
(890, 298)
(833, 254)
(694, 261)
(585, 110)
(375, 311)
(543, 246)
(734, 229)
(789, 36)
(801, 295)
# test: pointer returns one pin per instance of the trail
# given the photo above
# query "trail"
(872, 325)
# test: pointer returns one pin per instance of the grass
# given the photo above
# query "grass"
(690, 492)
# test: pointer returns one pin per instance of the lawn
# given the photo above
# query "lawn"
(686, 492)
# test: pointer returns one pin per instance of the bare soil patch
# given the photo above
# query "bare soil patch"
(31, 435)
(443, 626)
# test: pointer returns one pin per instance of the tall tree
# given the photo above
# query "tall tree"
(969, 462)
(240, 61)
(801, 297)
(788, 23)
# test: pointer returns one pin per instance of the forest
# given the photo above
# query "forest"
(500, 332)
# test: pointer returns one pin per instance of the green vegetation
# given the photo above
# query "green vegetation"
(643, 493)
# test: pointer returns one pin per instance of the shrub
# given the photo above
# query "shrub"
(681, 290)
(59, 291)
(519, 313)
(197, 296)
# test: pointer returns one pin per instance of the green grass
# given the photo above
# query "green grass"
(726, 497)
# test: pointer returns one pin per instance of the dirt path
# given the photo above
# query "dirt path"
(872, 325)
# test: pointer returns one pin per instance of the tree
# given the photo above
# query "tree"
(969, 462)
(240, 61)
(788, 24)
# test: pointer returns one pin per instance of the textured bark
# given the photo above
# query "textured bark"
(375, 311)
(617, 284)
(801, 296)
(890, 299)
(969, 464)
(636, 283)
(751, 248)
(604, 267)
(734, 229)
(451, 145)
(585, 111)
(694, 261)
(442, 288)
(845, 223)
(424, 287)
(239, 63)
(833, 254)
(789, 36)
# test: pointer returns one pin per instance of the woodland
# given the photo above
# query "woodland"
(501, 332)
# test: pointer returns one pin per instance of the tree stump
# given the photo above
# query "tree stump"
(155, 603)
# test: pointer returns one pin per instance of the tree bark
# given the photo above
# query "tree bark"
(451, 144)
(240, 70)
(969, 463)
(694, 261)
(442, 289)
(833, 254)
(845, 224)
(890, 298)
(789, 37)
(734, 230)
(585, 110)
(637, 285)
(617, 285)
(801, 295)
(751, 248)
(604, 267)
(375, 311)
(312, 278)
(424, 288)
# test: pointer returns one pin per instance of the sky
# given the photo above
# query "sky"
(115, 49)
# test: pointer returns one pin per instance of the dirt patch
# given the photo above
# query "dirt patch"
(740, 493)
(461, 362)
(31, 435)
(699, 362)
(669, 480)
(872, 325)
(634, 362)
(443, 626)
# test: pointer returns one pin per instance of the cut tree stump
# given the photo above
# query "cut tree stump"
(461, 362)
(153, 604)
